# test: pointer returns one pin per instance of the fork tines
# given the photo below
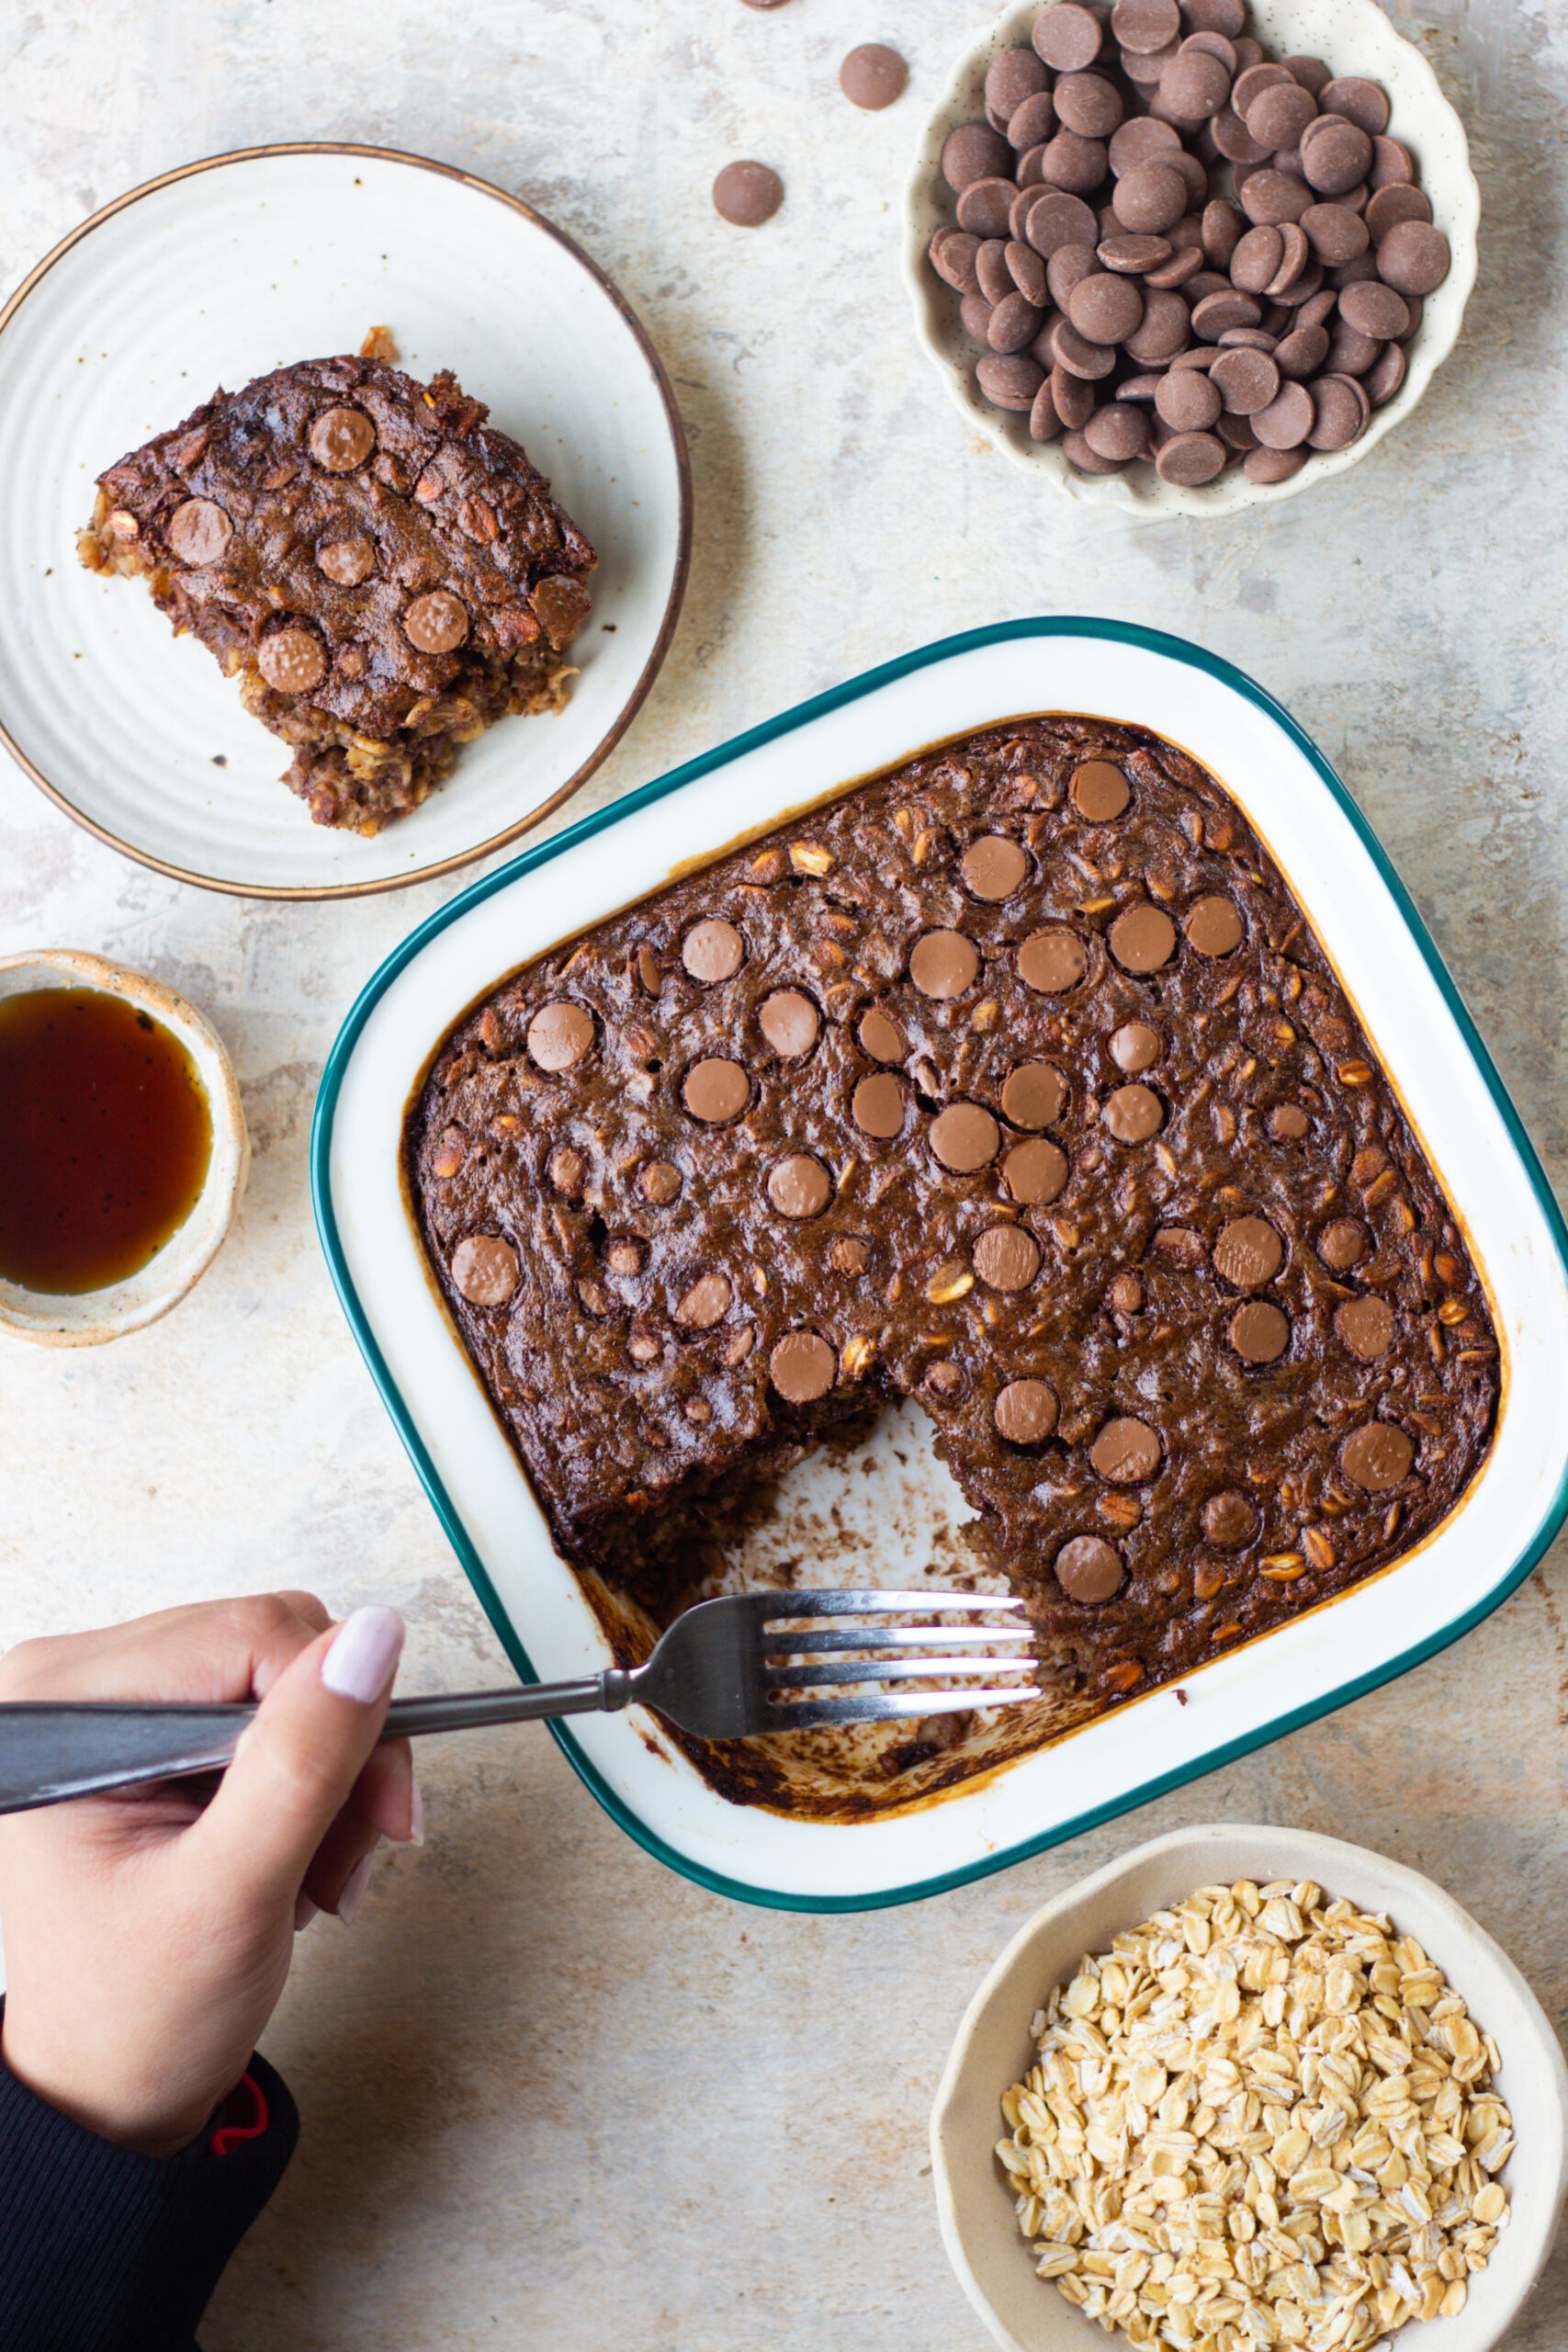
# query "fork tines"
(876, 1602)
(791, 1637)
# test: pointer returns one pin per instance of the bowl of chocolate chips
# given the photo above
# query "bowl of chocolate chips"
(1188, 255)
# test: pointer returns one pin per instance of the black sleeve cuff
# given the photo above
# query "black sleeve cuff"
(100, 2246)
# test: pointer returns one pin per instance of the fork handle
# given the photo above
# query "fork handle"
(50, 1752)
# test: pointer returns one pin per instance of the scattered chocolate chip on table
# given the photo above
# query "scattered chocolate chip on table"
(874, 76)
(746, 194)
(1173, 250)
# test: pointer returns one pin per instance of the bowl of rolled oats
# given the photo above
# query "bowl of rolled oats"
(1246, 2088)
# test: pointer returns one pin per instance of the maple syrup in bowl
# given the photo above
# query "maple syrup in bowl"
(122, 1147)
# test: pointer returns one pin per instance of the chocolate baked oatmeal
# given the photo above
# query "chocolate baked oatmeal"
(385, 573)
(1013, 1081)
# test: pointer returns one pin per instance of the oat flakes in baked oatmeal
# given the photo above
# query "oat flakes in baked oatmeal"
(385, 573)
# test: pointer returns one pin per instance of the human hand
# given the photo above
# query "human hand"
(148, 1933)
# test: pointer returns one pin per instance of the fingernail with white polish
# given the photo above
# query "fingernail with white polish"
(304, 1912)
(416, 1814)
(364, 1654)
(354, 1887)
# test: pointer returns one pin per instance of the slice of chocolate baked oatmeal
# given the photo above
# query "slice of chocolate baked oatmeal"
(385, 573)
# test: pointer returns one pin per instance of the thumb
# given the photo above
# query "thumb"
(299, 1760)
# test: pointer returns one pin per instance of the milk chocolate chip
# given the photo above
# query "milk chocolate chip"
(943, 963)
(1249, 1252)
(1125, 1453)
(1213, 927)
(341, 438)
(1288, 1122)
(568, 1172)
(1035, 1172)
(878, 1106)
(1034, 1096)
(1343, 1244)
(879, 1038)
(974, 152)
(1100, 791)
(995, 866)
(964, 1137)
(872, 76)
(291, 661)
(712, 951)
(1365, 1326)
(559, 1035)
(1259, 1332)
(484, 1269)
(1052, 961)
(1229, 1520)
(1087, 1568)
(1142, 939)
(789, 1022)
(1414, 257)
(799, 1186)
(1143, 26)
(437, 623)
(849, 1254)
(659, 1182)
(346, 562)
(706, 1303)
(1134, 1114)
(1377, 1456)
(1025, 1412)
(1134, 1048)
(198, 532)
(560, 603)
(716, 1090)
(1006, 1258)
(746, 194)
(1067, 37)
(801, 1367)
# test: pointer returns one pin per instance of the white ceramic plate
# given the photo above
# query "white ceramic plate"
(216, 273)
(1354, 37)
(1413, 1015)
(1021, 2312)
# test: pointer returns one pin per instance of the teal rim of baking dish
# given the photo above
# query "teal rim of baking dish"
(1148, 640)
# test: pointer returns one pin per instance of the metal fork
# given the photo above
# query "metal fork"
(726, 1669)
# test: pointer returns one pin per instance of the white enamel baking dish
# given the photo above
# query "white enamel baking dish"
(1410, 1008)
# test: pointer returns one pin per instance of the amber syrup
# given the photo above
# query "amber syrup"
(106, 1135)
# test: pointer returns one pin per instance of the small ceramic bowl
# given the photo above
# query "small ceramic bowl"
(1353, 37)
(993, 2262)
(84, 1318)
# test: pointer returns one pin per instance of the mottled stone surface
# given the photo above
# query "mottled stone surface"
(552, 2094)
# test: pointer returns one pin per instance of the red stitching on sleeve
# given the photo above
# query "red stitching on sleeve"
(231, 2134)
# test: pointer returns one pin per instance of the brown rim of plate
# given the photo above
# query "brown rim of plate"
(651, 668)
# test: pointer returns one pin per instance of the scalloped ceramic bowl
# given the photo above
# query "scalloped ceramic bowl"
(84, 1318)
(1354, 37)
(992, 2048)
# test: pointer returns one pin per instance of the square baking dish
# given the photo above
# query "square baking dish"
(1409, 1008)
